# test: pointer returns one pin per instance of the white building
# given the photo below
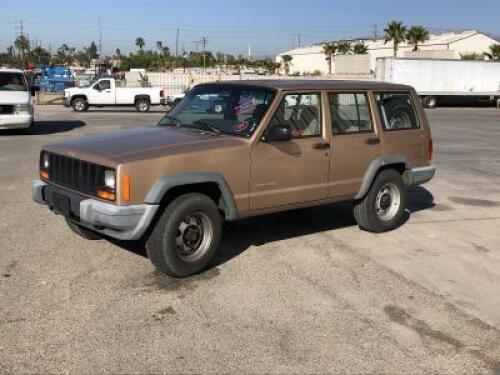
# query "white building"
(443, 46)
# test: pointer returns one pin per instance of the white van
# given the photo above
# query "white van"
(16, 104)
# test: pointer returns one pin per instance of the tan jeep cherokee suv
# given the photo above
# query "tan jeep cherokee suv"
(230, 150)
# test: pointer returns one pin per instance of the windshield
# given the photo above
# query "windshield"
(12, 82)
(227, 109)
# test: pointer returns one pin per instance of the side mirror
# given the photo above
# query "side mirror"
(34, 89)
(279, 133)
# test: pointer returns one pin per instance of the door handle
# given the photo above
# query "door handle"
(107, 91)
(321, 146)
(372, 141)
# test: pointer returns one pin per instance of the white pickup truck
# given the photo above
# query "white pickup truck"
(104, 92)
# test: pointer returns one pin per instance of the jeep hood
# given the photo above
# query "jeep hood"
(143, 143)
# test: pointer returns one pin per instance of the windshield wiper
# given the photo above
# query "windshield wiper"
(208, 126)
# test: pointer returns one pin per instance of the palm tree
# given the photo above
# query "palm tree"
(344, 47)
(395, 32)
(159, 46)
(286, 62)
(494, 53)
(10, 51)
(139, 42)
(22, 44)
(118, 53)
(329, 50)
(416, 35)
(360, 49)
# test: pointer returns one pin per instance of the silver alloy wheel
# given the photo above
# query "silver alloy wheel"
(387, 201)
(143, 106)
(194, 236)
(79, 105)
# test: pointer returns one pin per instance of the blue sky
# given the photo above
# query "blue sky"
(269, 26)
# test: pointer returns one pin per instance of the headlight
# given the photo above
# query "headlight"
(110, 179)
(22, 108)
(45, 164)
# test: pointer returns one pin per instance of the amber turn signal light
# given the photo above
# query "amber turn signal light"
(126, 188)
(44, 175)
(106, 195)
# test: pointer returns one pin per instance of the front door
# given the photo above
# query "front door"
(293, 171)
(101, 93)
(355, 141)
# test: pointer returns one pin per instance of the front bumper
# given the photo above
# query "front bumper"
(14, 121)
(419, 175)
(120, 222)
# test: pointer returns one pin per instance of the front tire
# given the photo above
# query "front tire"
(79, 105)
(383, 207)
(83, 232)
(186, 237)
(142, 105)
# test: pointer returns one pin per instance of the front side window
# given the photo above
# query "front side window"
(229, 109)
(103, 85)
(350, 113)
(301, 113)
(397, 111)
(12, 82)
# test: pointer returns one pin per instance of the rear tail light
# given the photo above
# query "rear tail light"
(431, 149)
(162, 93)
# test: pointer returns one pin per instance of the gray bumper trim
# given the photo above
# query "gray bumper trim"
(120, 222)
(420, 175)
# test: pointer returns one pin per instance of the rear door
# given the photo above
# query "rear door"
(355, 140)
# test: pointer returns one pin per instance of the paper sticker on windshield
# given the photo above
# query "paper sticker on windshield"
(245, 106)
(240, 127)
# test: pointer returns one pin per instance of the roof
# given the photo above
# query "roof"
(313, 84)
(10, 70)
(435, 39)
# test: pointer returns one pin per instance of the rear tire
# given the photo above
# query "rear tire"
(83, 232)
(142, 105)
(186, 237)
(79, 105)
(429, 102)
(383, 207)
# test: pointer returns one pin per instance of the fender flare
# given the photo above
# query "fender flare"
(373, 169)
(142, 97)
(166, 183)
(78, 96)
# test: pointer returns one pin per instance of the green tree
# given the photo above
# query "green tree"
(118, 53)
(344, 47)
(139, 42)
(395, 32)
(329, 49)
(416, 35)
(22, 44)
(286, 61)
(92, 50)
(494, 52)
(360, 49)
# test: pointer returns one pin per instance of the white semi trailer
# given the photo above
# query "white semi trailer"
(441, 80)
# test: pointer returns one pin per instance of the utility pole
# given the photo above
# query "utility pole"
(19, 27)
(177, 41)
(375, 31)
(298, 39)
(100, 36)
(204, 42)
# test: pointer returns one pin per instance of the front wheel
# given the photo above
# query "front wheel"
(383, 207)
(79, 105)
(186, 237)
(142, 105)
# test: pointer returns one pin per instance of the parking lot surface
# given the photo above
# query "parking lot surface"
(302, 292)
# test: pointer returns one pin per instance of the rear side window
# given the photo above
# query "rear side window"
(350, 113)
(397, 111)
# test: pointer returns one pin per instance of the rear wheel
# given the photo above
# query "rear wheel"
(383, 207)
(83, 232)
(142, 105)
(429, 101)
(186, 237)
(79, 105)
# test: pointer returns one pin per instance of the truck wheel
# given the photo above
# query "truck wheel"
(83, 232)
(186, 237)
(429, 101)
(383, 207)
(79, 105)
(142, 105)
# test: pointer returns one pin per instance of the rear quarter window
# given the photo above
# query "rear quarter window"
(397, 111)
